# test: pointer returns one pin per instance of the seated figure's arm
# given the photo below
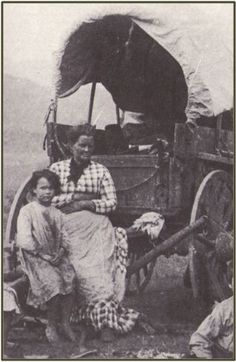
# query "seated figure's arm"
(204, 338)
(104, 204)
(25, 238)
(108, 200)
(63, 198)
(79, 201)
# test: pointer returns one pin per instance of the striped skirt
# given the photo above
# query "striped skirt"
(98, 253)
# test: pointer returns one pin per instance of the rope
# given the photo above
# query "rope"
(52, 108)
(58, 143)
(221, 226)
(140, 183)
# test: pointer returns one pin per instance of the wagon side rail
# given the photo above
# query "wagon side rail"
(210, 144)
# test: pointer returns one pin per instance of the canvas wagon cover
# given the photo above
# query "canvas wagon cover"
(201, 44)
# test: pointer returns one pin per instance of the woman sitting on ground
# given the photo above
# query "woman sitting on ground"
(98, 251)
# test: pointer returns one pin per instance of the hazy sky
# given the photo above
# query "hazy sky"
(34, 32)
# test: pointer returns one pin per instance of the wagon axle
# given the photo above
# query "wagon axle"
(167, 244)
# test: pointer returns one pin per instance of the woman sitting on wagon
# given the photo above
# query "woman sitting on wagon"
(98, 251)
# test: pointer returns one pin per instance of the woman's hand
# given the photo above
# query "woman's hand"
(69, 208)
(81, 196)
(78, 206)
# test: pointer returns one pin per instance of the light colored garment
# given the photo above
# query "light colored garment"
(10, 300)
(151, 223)
(215, 334)
(41, 230)
(98, 253)
(95, 179)
(92, 254)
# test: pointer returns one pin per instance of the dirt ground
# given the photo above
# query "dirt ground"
(166, 303)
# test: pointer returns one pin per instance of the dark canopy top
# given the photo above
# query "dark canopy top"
(139, 73)
(153, 61)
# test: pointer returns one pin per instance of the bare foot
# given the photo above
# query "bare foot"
(51, 334)
(68, 332)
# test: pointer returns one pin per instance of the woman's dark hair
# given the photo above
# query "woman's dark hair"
(52, 178)
(85, 129)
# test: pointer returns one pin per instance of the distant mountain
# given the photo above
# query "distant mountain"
(26, 104)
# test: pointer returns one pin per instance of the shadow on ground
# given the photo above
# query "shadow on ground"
(167, 304)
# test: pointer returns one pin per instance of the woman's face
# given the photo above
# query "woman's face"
(44, 191)
(82, 149)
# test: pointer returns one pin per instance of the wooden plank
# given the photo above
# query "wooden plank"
(140, 182)
(215, 158)
(133, 161)
(218, 130)
(227, 141)
(204, 139)
(132, 210)
(184, 141)
(175, 183)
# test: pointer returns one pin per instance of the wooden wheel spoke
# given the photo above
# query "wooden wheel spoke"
(141, 278)
(214, 199)
(148, 275)
(138, 279)
(228, 217)
(145, 270)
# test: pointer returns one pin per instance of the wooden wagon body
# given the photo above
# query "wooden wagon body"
(193, 185)
(146, 182)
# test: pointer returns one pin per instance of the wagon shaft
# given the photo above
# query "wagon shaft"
(167, 244)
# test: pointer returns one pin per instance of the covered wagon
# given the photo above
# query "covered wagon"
(169, 146)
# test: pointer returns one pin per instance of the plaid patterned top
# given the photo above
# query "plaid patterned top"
(95, 179)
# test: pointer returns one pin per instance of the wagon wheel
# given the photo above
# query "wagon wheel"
(214, 198)
(21, 198)
(137, 282)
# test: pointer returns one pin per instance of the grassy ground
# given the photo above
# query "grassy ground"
(168, 305)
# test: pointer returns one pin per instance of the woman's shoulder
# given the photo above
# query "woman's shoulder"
(60, 164)
(96, 166)
(224, 307)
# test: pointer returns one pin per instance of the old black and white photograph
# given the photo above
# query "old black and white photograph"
(118, 180)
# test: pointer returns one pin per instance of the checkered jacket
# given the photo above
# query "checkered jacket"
(94, 179)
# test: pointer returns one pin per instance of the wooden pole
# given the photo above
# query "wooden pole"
(91, 102)
(218, 133)
(54, 108)
(117, 114)
(167, 244)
